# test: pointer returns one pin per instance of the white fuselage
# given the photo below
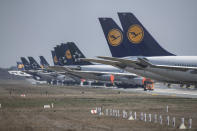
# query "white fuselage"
(106, 71)
(102, 68)
(19, 73)
(170, 75)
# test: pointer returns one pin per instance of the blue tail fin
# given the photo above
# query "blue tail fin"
(54, 57)
(69, 54)
(74, 54)
(138, 39)
(33, 63)
(114, 37)
(43, 62)
(20, 66)
(63, 55)
(58, 54)
(26, 64)
(66, 57)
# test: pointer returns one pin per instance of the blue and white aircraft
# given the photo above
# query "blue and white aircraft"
(136, 51)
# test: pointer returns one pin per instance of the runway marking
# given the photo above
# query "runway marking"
(166, 91)
(176, 92)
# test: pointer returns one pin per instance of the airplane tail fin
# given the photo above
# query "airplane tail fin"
(114, 37)
(26, 64)
(73, 53)
(138, 38)
(68, 54)
(20, 65)
(33, 63)
(54, 57)
(65, 57)
(59, 53)
(43, 62)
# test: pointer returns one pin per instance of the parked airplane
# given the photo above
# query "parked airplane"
(34, 63)
(43, 62)
(20, 70)
(95, 72)
(119, 49)
(34, 70)
(67, 56)
(144, 56)
(54, 57)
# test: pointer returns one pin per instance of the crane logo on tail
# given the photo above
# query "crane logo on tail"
(114, 37)
(55, 59)
(68, 54)
(20, 66)
(135, 34)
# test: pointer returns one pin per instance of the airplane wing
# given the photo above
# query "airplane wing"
(117, 62)
(63, 70)
(58, 68)
(106, 62)
(122, 60)
(127, 62)
(139, 63)
(142, 63)
(88, 74)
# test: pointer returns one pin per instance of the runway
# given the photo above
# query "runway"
(161, 89)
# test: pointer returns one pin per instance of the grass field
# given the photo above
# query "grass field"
(72, 107)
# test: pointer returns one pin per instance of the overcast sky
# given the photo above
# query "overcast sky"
(34, 27)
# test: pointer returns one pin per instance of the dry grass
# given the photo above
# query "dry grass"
(73, 104)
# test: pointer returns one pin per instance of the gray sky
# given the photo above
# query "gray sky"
(34, 27)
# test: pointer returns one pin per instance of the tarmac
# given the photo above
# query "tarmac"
(161, 89)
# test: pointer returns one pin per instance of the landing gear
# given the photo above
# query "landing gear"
(145, 88)
(90, 83)
(182, 85)
(57, 82)
(81, 84)
(52, 82)
(62, 82)
(188, 86)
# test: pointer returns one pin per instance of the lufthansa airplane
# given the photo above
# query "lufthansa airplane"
(136, 51)
(31, 69)
(92, 72)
